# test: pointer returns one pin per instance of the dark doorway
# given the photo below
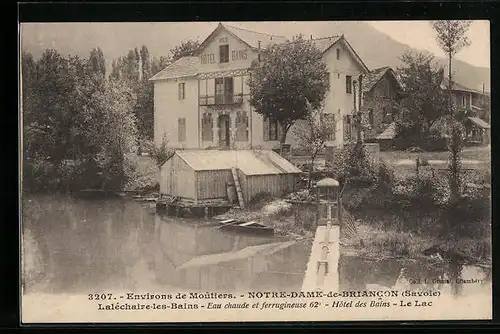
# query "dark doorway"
(224, 125)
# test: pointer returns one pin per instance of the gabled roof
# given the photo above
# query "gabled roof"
(252, 38)
(324, 43)
(460, 87)
(248, 37)
(374, 76)
(250, 162)
(181, 68)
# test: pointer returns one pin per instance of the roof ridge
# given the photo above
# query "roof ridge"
(327, 37)
(248, 30)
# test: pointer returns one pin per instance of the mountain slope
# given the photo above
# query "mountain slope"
(374, 47)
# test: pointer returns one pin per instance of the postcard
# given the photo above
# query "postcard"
(255, 171)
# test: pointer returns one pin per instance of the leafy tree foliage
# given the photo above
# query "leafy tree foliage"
(423, 101)
(287, 78)
(186, 48)
(135, 69)
(451, 37)
(314, 134)
(73, 120)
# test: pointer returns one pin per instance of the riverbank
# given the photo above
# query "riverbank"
(380, 233)
(371, 239)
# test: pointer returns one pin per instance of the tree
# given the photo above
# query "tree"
(450, 35)
(451, 38)
(423, 101)
(287, 78)
(313, 136)
(186, 48)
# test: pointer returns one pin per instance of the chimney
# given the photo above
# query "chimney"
(271, 38)
(311, 37)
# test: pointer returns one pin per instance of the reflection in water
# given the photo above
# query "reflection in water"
(93, 246)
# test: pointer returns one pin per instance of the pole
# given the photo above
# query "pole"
(358, 125)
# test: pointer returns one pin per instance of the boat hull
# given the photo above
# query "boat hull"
(251, 230)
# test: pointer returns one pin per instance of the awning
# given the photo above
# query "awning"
(479, 122)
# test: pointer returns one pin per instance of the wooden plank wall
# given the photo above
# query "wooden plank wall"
(275, 185)
(211, 184)
(177, 179)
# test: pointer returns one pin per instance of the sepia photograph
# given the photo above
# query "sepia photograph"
(255, 171)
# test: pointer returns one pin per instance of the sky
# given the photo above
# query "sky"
(420, 35)
(417, 34)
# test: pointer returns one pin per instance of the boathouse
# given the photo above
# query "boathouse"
(203, 176)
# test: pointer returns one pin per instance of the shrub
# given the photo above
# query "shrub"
(259, 200)
(161, 153)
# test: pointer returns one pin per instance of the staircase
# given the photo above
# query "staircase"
(238, 188)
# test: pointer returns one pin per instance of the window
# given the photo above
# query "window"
(181, 129)
(464, 103)
(224, 53)
(370, 117)
(387, 115)
(241, 126)
(348, 84)
(330, 119)
(207, 127)
(270, 128)
(224, 89)
(338, 54)
(347, 127)
(182, 91)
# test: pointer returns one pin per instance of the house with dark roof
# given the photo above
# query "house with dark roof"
(202, 101)
(381, 93)
(475, 104)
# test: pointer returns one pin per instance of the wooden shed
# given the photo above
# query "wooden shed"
(203, 175)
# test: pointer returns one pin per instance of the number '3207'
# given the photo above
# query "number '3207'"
(100, 296)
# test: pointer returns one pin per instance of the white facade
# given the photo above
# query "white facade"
(202, 101)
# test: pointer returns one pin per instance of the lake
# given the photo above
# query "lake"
(85, 246)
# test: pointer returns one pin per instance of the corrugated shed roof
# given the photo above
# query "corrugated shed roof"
(252, 38)
(388, 133)
(479, 122)
(249, 162)
(183, 67)
(374, 76)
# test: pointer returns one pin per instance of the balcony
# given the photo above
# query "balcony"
(219, 100)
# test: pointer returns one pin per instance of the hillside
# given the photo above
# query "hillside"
(375, 48)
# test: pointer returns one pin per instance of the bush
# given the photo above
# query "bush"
(259, 200)
(161, 153)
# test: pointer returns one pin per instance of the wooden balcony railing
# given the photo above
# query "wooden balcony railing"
(226, 99)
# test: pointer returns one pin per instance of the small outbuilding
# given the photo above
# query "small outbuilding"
(203, 176)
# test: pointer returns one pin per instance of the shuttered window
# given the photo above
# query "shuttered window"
(181, 128)
(347, 127)
(348, 84)
(330, 119)
(207, 133)
(241, 126)
(271, 129)
(182, 91)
